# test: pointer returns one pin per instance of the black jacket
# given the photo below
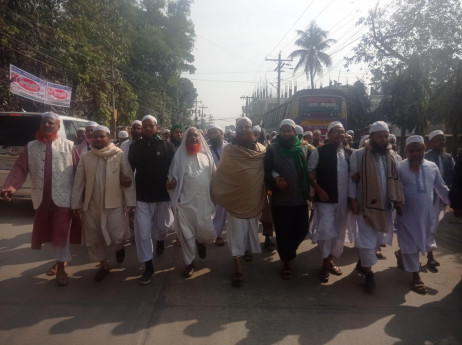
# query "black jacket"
(150, 160)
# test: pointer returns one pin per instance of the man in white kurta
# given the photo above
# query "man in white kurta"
(190, 175)
(373, 190)
(420, 179)
(330, 182)
(102, 200)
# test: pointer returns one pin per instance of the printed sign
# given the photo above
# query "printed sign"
(58, 95)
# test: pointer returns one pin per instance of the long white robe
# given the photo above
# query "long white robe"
(418, 215)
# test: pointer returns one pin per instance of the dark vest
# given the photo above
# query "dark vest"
(326, 172)
(447, 160)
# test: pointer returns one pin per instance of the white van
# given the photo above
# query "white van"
(16, 130)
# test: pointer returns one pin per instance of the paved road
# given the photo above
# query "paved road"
(207, 310)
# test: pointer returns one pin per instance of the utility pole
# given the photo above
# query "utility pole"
(281, 63)
(246, 109)
(202, 115)
(195, 113)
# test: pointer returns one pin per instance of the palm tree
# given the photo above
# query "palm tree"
(313, 41)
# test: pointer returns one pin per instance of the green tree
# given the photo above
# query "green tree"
(312, 42)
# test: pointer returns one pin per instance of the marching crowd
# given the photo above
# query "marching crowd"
(198, 184)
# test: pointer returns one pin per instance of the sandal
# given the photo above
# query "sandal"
(54, 269)
(380, 256)
(286, 274)
(237, 279)
(334, 269)
(324, 274)
(418, 287)
(62, 279)
(399, 260)
(432, 264)
(248, 256)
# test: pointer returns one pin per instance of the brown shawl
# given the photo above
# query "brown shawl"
(238, 184)
(372, 205)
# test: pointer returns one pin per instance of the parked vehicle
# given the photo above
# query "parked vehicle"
(17, 129)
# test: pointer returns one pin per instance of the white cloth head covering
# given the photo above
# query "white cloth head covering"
(178, 166)
(391, 136)
(166, 130)
(414, 139)
(52, 115)
(256, 128)
(435, 133)
(136, 122)
(149, 117)
(308, 133)
(102, 128)
(333, 125)
(317, 131)
(81, 129)
(91, 124)
(350, 132)
(122, 134)
(287, 122)
(378, 126)
(214, 126)
(298, 129)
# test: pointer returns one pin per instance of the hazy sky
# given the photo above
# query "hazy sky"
(235, 36)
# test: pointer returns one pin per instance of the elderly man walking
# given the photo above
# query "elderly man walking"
(50, 161)
(239, 187)
(421, 179)
(445, 164)
(286, 175)
(85, 145)
(374, 190)
(150, 159)
(190, 175)
(329, 177)
(102, 200)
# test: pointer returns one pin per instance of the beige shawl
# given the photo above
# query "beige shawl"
(372, 206)
(238, 184)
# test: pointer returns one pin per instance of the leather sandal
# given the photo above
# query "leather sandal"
(62, 279)
(334, 269)
(418, 287)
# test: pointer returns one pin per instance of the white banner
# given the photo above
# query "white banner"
(29, 86)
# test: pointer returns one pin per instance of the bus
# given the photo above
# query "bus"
(312, 109)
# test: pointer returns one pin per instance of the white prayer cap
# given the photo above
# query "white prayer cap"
(136, 122)
(166, 130)
(102, 128)
(91, 124)
(214, 126)
(274, 133)
(233, 134)
(308, 133)
(414, 139)
(256, 128)
(317, 131)
(334, 124)
(378, 126)
(81, 129)
(350, 132)
(123, 134)
(289, 122)
(298, 129)
(51, 114)
(149, 117)
(391, 136)
(435, 133)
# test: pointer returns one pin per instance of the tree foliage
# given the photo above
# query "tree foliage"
(135, 50)
(312, 42)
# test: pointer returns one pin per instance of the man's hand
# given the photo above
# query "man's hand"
(125, 181)
(130, 210)
(322, 195)
(7, 195)
(171, 183)
(281, 183)
(354, 205)
(399, 208)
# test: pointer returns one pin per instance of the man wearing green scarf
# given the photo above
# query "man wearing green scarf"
(286, 175)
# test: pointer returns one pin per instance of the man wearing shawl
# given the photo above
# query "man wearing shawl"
(286, 175)
(445, 164)
(374, 189)
(421, 180)
(328, 166)
(176, 135)
(85, 145)
(102, 200)
(216, 145)
(239, 187)
(150, 159)
(190, 175)
(50, 161)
